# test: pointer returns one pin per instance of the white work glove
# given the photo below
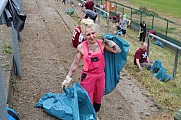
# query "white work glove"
(66, 82)
(140, 68)
(110, 43)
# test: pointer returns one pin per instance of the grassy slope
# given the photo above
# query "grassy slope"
(166, 93)
(170, 7)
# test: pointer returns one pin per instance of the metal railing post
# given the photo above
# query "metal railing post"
(140, 17)
(3, 109)
(152, 22)
(131, 14)
(175, 64)
(148, 48)
(16, 53)
(167, 28)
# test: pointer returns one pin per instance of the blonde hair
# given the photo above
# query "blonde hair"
(87, 21)
(85, 26)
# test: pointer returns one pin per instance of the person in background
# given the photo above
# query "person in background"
(151, 32)
(142, 31)
(89, 5)
(92, 76)
(122, 24)
(141, 58)
(124, 15)
(89, 14)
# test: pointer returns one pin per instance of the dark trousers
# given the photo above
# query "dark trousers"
(142, 37)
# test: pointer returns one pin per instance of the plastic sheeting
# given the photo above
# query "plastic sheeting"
(159, 71)
(12, 114)
(73, 104)
(114, 62)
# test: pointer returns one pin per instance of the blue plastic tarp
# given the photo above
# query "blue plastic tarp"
(114, 62)
(73, 104)
(159, 71)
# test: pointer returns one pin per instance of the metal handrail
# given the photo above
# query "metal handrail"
(178, 48)
(107, 21)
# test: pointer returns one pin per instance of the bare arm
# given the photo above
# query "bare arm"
(75, 64)
(148, 60)
(129, 22)
(138, 63)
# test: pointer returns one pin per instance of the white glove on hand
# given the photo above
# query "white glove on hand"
(140, 68)
(109, 42)
(66, 82)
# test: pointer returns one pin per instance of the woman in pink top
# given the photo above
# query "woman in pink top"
(92, 76)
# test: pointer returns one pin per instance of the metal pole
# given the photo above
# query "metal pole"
(148, 48)
(167, 28)
(152, 22)
(3, 109)
(165, 41)
(2, 5)
(131, 15)
(16, 51)
(140, 17)
(175, 64)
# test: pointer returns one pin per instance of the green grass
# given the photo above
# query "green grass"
(7, 49)
(168, 94)
(169, 7)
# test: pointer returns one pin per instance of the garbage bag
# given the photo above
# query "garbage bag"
(114, 62)
(69, 11)
(12, 114)
(158, 43)
(159, 71)
(73, 104)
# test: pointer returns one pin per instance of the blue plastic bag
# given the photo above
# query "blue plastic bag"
(114, 62)
(12, 114)
(159, 71)
(158, 43)
(73, 104)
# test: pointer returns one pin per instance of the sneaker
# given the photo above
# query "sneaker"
(98, 118)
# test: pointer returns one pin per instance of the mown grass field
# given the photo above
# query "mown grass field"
(168, 7)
